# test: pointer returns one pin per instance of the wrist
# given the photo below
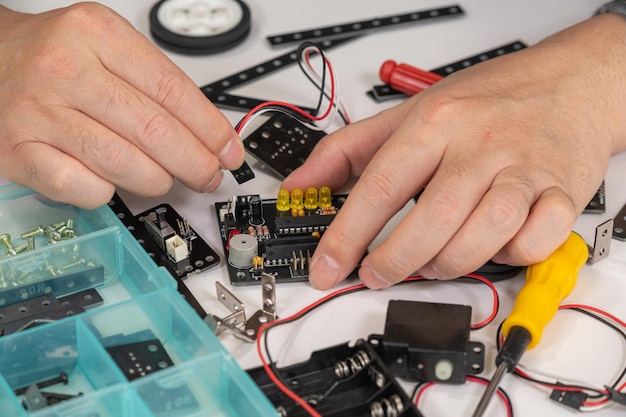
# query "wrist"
(6, 16)
(592, 56)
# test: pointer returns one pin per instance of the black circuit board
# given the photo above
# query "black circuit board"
(597, 205)
(282, 143)
(284, 243)
(201, 256)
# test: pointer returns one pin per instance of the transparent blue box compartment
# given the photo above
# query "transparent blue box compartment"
(139, 299)
(108, 257)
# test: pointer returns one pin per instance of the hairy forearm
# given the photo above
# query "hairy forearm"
(595, 50)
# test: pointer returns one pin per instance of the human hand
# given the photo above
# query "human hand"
(509, 152)
(88, 103)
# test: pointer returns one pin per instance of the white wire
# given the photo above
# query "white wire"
(554, 379)
(332, 91)
(310, 71)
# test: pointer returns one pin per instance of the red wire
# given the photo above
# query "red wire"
(308, 62)
(503, 397)
(609, 316)
(496, 301)
(295, 397)
(292, 107)
(419, 395)
(551, 386)
(575, 389)
(595, 310)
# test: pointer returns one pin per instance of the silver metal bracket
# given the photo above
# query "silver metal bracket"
(602, 243)
(242, 328)
(225, 326)
(268, 312)
(233, 304)
(34, 399)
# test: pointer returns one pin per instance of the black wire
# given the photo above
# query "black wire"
(548, 383)
(270, 361)
(283, 109)
(300, 52)
(320, 50)
(350, 291)
(291, 319)
(292, 113)
(612, 326)
(416, 390)
(598, 393)
(560, 386)
(509, 403)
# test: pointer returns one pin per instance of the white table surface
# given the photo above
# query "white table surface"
(573, 346)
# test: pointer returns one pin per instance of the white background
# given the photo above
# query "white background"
(573, 346)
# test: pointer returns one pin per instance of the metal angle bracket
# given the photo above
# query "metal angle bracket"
(242, 328)
(602, 242)
(233, 304)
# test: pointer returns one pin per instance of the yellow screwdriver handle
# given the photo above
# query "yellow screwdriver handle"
(547, 284)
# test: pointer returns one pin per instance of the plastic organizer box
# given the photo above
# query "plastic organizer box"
(126, 344)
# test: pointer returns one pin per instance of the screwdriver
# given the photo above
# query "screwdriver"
(406, 78)
(547, 284)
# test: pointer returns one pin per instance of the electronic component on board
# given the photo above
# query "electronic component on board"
(597, 205)
(164, 235)
(275, 236)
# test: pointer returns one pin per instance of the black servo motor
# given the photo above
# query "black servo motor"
(430, 342)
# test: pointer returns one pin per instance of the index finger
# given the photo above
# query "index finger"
(137, 61)
(345, 152)
(393, 176)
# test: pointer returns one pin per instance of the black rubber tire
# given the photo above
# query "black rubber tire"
(199, 45)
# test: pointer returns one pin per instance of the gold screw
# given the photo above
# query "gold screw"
(79, 261)
(6, 241)
(35, 232)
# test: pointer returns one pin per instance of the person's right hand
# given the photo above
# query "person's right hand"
(87, 103)
(509, 152)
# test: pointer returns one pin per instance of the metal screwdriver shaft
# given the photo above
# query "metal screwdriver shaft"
(491, 389)
(508, 357)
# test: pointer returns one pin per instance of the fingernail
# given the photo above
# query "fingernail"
(232, 154)
(215, 181)
(428, 271)
(500, 258)
(324, 272)
(371, 278)
(289, 178)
